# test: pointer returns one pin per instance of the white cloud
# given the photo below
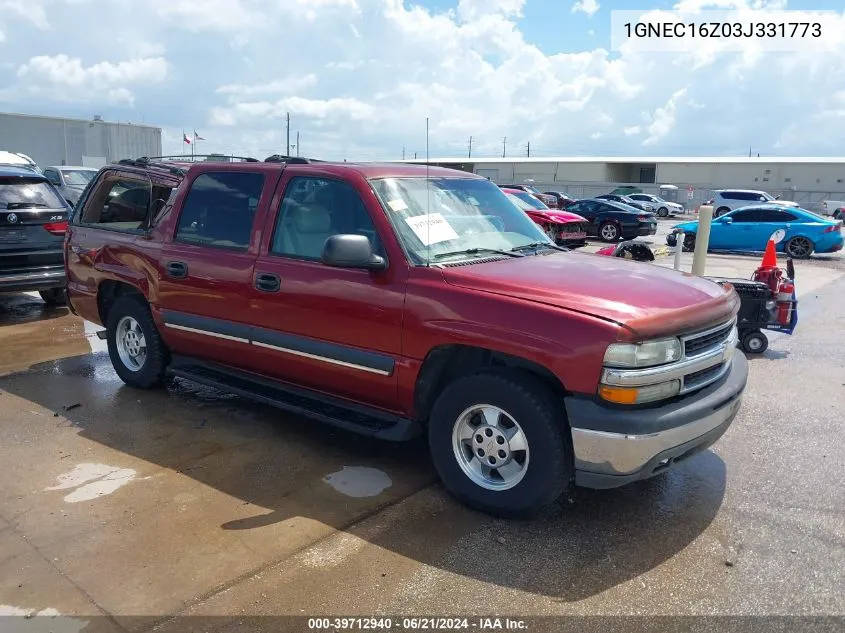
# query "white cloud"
(66, 78)
(663, 120)
(589, 7)
(633, 130)
(284, 85)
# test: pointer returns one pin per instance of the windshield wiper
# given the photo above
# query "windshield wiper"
(536, 245)
(478, 251)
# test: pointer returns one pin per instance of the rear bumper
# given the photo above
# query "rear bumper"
(614, 447)
(41, 278)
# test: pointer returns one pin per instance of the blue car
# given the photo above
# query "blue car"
(749, 229)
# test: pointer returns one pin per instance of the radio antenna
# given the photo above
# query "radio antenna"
(427, 201)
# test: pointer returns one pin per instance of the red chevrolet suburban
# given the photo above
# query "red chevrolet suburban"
(395, 300)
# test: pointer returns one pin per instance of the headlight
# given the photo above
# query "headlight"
(646, 354)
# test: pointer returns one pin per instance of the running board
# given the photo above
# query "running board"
(345, 415)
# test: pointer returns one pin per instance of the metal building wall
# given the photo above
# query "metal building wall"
(55, 141)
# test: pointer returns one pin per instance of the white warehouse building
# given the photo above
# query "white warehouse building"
(805, 180)
(92, 143)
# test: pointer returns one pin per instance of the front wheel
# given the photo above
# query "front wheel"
(609, 232)
(54, 296)
(721, 211)
(499, 443)
(663, 212)
(138, 354)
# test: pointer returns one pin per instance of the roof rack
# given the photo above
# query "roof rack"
(294, 160)
(144, 161)
(195, 158)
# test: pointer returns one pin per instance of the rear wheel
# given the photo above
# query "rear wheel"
(799, 247)
(721, 211)
(499, 444)
(54, 296)
(138, 354)
(608, 231)
(689, 241)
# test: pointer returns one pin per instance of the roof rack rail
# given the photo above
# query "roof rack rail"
(194, 158)
(294, 160)
(144, 161)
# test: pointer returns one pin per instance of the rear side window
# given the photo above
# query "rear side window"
(771, 215)
(24, 193)
(121, 202)
(220, 208)
(748, 215)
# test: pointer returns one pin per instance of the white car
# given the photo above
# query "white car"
(726, 200)
(662, 207)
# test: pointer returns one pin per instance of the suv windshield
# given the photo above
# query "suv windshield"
(23, 193)
(78, 177)
(441, 216)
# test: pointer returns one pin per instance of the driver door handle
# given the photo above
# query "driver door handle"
(179, 270)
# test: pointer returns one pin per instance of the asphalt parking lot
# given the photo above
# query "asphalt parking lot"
(121, 509)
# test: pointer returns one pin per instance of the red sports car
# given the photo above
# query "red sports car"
(565, 228)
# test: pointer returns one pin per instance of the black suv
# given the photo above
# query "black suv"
(33, 221)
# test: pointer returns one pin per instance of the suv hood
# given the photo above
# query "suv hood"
(650, 300)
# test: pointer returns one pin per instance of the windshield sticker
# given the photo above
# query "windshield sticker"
(431, 228)
(397, 205)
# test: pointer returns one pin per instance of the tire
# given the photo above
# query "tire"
(547, 460)
(663, 212)
(837, 215)
(671, 240)
(755, 342)
(799, 247)
(608, 231)
(689, 242)
(721, 211)
(132, 312)
(54, 296)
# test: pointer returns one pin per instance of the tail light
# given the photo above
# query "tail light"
(56, 228)
(643, 218)
(833, 228)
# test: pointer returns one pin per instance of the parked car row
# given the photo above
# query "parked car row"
(603, 217)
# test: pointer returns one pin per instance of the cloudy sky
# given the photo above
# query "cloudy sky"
(359, 77)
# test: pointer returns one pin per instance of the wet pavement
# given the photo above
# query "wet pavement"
(117, 504)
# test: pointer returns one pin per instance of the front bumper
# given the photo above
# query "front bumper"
(41, 278)
(615, 446)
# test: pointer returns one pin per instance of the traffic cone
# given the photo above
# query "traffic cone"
(770, 258)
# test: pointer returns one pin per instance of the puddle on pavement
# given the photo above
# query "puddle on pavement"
(92, 481)
(359, 481)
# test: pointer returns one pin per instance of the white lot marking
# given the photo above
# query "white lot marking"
(359, 481)
(57, 623)
(92, 481)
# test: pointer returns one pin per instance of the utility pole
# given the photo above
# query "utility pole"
(504, 146)
(403, 152)
(297, 143)
(287, 147)
(415, 156)
(469, 155)
(528, 150)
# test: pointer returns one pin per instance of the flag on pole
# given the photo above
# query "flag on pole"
(185, 138)
(197, 137)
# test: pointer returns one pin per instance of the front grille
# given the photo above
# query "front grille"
(702, 377)
(573, 227)
(706, 341)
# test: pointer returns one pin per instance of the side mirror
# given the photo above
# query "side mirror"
(727, 220)
(351, 251)
(777, 197)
